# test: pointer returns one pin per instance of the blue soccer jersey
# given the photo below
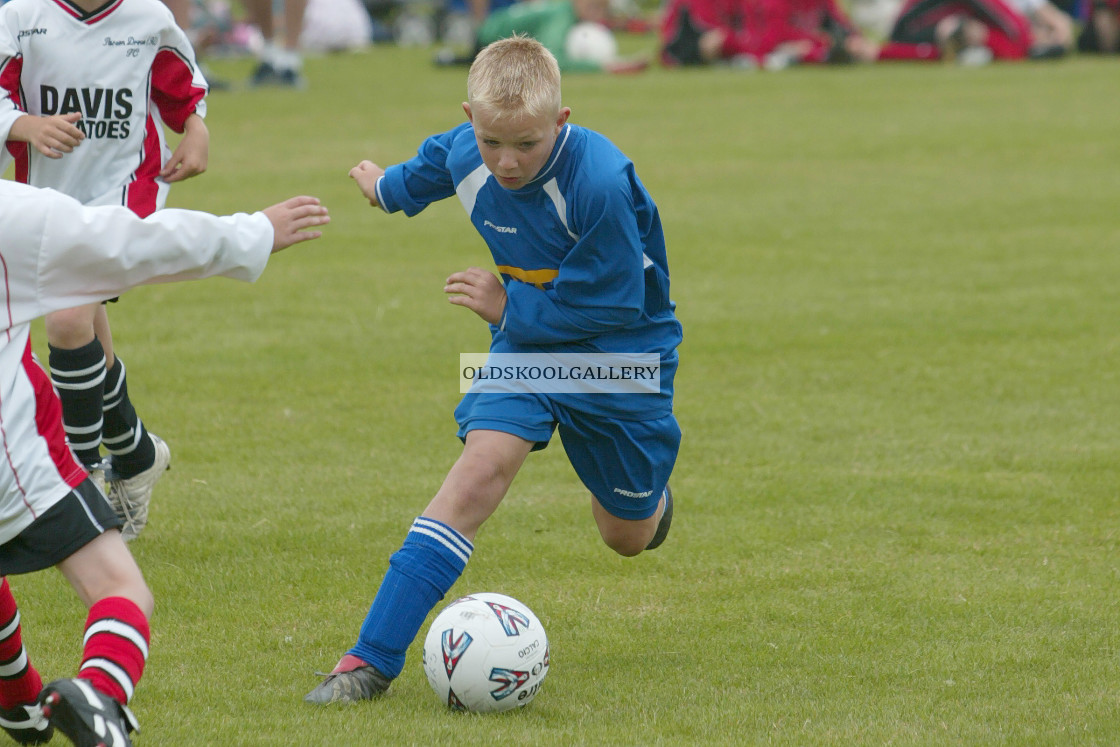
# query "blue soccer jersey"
(580, 249)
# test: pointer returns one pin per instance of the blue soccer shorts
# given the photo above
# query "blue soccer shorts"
(624, 463)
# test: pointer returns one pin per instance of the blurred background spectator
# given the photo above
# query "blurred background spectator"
(974, 32)
(335, 26)
(575, 31)
(769, 33)
(583, 34)
(278, 63)
(1101, 30)
(203, 31)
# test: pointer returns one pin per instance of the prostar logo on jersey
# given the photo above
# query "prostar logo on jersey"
(105, 111)
(500, 229)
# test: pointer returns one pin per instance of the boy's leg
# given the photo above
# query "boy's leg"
(279, 64)
(626, 465)
(93, 707)
(104, 568)
(107, 579)
(432, 558)
(294, 11)
(20, 684)
(260, 15)
(77, 361)
(631, 536)
(78, 535)
(139, 458)
(124, 434)
(478, 480)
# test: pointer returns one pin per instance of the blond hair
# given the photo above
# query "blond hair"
(513, 77)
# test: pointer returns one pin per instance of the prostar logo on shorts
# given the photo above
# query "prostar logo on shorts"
(632, 494)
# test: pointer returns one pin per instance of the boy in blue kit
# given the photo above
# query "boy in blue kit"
(578, 243)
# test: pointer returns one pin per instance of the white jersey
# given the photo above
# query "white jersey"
(55, 254)
(126, 67)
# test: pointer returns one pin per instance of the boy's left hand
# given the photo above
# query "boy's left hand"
(294, 219)
(480, 291)
(190, 157)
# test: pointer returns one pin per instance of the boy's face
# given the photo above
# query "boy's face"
(515, 149)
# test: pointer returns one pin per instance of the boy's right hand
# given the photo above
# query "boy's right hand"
(52, 136)
(366, 175)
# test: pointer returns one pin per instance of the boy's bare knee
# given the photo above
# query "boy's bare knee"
(70, 328)
(626, 537)
(626, 547)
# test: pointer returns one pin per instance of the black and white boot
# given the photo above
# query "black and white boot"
(88, 717)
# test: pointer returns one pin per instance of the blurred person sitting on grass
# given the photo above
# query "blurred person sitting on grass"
(56, 254)
(773, 34)
(550, 22)
(1101, 30)
(581, 252)
(975, 32)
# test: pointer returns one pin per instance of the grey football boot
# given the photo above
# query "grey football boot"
(351, 681)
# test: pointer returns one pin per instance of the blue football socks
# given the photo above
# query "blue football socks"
(429, 562)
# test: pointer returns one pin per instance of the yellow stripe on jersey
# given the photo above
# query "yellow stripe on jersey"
(536, 277)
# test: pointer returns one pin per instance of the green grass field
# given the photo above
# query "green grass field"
(897, 517)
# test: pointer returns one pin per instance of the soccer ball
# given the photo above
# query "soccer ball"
(591, 42)
(486, 652)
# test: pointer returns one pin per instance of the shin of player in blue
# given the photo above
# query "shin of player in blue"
(429, 562)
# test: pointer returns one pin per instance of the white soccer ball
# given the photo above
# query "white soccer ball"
(591, 42)
(486, 652)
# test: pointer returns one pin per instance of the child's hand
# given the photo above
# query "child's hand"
(366, 175)
(191, 156)
(52, 136)
(291, 219)
(480, 291)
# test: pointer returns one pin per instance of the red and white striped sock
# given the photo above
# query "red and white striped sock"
(115, 647)
(19, 682)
